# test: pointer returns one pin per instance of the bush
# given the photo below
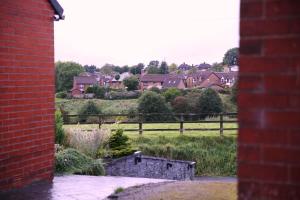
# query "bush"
(99, 92)
(131, 83)
(151, 102)
(74, 162)
(113, 95)
(233, 97)
(89, 108)
(59, 131)
(62, 95)
(209, 102)
(87, 142)
(171, 94)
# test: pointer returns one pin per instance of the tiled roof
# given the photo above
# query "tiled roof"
(85, 80)
(204, 66)
(227, 75)
(184, 67)
(154, 77)
(171, 82)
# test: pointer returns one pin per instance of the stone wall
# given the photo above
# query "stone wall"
(138, 165)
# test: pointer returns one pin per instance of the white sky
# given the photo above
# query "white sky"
(126, 32)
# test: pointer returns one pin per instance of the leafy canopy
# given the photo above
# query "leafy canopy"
(209, 102)
(131, 83)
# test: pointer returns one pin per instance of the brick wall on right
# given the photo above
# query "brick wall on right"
(269, 100)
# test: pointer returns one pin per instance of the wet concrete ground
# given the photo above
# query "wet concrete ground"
(75, 187)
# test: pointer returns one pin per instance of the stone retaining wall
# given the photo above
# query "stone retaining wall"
(138, 165)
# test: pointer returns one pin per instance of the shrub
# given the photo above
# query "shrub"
(209, 102)
(89, 108)
(171, 94)
(131, 83)
(87, 142)
(73, 162)
(233, 97)
(118, 146)
(62, 94)
(151, 102)
(59, 131)
(114, 95)
(155, 89)
(99, 92)
(118, 190)
(193, 98)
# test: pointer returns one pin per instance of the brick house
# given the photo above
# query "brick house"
(148, 81)
(220, 79)
(81, 83)
(27, 86)
(194, 80)
(118, 84)
(174, 82)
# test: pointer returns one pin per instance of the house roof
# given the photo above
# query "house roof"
(227, 75)
(85, 80)
(171, 82)
(122, 77)
(184, 67)
(203, 66)
(57, 8)
(202, 74)
(153, 77)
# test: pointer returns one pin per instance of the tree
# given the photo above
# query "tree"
(64, 74)
(90, 68)
(89, 108)
(153, 63)
(118, 69)
(209, 102)
(171, 93)
(151, 102)
(117, 77)
(99, 92)
(153, 70)
(193, 70)
(217, 67)
(131, 83)
(107, 69)
(180, 104)
(125, 68)
(231, 57)
(59, 131)
(137, 69)
(172, 67)
(164, 69)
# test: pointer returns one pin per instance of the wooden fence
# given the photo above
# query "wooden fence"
(150, 118)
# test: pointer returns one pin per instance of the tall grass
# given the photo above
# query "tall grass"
(87, 142)
(214, 156)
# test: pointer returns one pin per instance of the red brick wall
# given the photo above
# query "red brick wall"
(269, 100)
(26, 92)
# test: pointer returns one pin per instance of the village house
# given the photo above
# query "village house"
(118, 84)
(81, 83)
(219, 80)
(194, 80)
(174, 82)
(147, 81)
(203, 66)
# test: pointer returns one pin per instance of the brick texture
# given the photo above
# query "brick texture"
(27, 92)
(269, 100)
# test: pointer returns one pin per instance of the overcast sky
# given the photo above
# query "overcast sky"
(126, 32)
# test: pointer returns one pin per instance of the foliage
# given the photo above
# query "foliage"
(89, 108)
(107, 69)
(119, 190)
(193, 70)
(99, 92)
(180, 104)
(90, 68)
(164, 69)
(59, 131)
(117, 77)
(217, 67)
(87, 142)
(233, 96)
(153, 70)
(171, 93)
(62, 94)
(64, 74)
(137, 69)
(172, 67)
(123, 95)
(155, 89)
(73, 162)
(231, 57)
(131, 83)
(151, 102)
(119, 145)
(209, 102)
(214, 156)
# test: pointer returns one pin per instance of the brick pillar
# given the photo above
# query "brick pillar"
(269, 100)
(26, 92)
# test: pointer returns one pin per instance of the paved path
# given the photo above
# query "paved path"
(75, 187)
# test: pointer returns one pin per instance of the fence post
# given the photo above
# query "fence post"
(140, 124)
(221, 124)
(99, 121)
(181, 124)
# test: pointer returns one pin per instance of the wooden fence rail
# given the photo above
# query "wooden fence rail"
(139, 119)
